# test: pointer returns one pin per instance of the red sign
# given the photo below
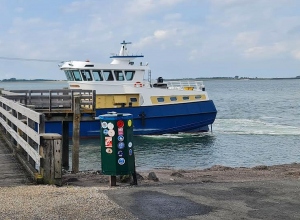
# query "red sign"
(120, 124)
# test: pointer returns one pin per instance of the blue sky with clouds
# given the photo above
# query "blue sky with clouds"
(179, 38)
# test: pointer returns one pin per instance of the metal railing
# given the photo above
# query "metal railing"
(186, 85)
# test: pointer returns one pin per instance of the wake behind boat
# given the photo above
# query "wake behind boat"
(157, 107)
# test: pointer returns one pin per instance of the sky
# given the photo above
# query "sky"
(178, 38)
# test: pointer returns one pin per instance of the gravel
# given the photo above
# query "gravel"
(51, 202)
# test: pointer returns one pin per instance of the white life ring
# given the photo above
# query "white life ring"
(138, 84)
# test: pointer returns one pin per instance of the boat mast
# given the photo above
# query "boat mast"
(124, 48)
(123, 57)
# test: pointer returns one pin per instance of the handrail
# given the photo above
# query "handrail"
(181, 85)
(24, 126)
(49, 100)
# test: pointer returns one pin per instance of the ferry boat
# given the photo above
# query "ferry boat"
(158, 107)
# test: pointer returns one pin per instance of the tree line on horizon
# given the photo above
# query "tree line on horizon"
(17, 80)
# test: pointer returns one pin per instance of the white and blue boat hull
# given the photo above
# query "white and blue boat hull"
(153, 120)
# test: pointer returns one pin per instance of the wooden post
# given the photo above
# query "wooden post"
(76, 134)
(112, 180)
(51, 158)
(65, 145)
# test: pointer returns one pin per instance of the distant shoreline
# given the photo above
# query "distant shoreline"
(232, 78)
(32, 80)
(201, 78)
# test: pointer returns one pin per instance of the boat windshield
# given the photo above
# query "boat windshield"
(119, 76)
(69, 75)
(86, 75)
(73, 75)
(129, 75)
(108, 76)
(97, 75)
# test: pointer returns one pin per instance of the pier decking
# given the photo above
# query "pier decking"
(11, 171)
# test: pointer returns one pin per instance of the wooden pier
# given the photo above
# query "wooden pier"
(11, 171)
(56, 105)
(22, 122)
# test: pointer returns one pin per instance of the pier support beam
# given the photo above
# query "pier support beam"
(51, 158)
(76, 134)
(65, 145)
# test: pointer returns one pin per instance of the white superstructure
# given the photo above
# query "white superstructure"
(123, 77)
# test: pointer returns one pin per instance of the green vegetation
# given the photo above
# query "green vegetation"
(22, 80)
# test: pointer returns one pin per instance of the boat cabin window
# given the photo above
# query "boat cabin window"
(173, 98)
(86, 75)
(77, 75)
(185, 97)
(133, 99)
(108, 76)
(97, 75)
(160, 99)
(198, 96)
(69, 75)
(129, 75)
(119, 76)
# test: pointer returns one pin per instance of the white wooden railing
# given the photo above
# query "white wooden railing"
(24, 126)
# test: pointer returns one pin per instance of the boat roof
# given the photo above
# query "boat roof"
(91, 65)
(123, 60)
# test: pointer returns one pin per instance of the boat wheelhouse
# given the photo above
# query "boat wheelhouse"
(157, 107)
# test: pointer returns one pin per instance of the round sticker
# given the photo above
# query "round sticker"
(110, 125)
(120, 153)
(121, 161)
(120, 123)
(129, 123)
(108, 150)
(121, 145)
(104, 124)
(111, 133)
(121, 138)
(130, 152)
(105, 131)
(129, 144)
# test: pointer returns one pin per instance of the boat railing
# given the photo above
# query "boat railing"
(186, 85)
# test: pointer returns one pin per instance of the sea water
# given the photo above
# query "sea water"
(258, 123)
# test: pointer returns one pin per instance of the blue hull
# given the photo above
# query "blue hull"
(153, 120)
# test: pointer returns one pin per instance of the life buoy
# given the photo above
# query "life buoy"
(138, 84)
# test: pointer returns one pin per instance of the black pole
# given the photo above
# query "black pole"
(134, 174)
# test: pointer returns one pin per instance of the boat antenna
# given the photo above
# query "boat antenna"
(125, 42)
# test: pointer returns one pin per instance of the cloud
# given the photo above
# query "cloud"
(230, 3)
(184, 31)
(139, 7)
(296, 54)
(171, 17)
(157, 36)
(247, 39)
(194, 55)
(265, 52)
(19, 9)
(80, 6)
